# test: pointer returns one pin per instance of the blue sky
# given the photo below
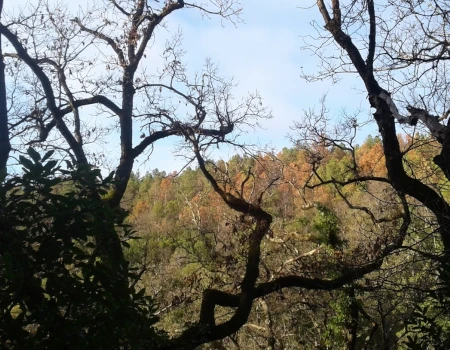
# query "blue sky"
(263, 53)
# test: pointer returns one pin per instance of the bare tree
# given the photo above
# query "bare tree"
(400, 189)
(95, 60)
(399, 51)
(253, 286)
(70, 68)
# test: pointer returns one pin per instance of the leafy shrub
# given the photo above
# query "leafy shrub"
(55, 289)
(429, 324)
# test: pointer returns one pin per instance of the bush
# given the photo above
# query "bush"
(55, 290)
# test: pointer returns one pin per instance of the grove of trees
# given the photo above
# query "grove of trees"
(327, 244)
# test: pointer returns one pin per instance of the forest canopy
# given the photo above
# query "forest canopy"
(329, 243)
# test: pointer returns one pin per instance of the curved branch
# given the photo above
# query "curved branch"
(385, 116)
(232, 201)
(155, 20)
(120, 8)
(103, 100)
(372, 34)
(366, 210)
(103, 37)
(147, 141)
(63, 82)
(206, 330)
(171, 88)
(349, 182)
(196, 335)
(49, 94)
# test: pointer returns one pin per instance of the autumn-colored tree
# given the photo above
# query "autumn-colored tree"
(326, 220)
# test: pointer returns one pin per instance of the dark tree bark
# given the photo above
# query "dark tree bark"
(5, 145)
(386, 114)
(129, 54)
(206, 330)
(143, 21)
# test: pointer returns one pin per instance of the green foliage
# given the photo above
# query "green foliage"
(334, 335)
(55, 290)
(429, 324)
(425, 329)
(191, 241)
(328, 225)
(298, 224)
(371, 141)
(289, 154)
(338, 169)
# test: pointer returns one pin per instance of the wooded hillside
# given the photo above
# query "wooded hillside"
(326, 245)
(321, 232)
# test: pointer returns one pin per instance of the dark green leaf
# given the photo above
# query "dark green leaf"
(47, 155)
(34, 154)
(26, 162)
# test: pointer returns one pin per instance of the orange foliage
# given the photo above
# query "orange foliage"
(371, 162)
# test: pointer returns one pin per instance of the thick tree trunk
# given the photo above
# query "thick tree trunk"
(5, 145)
(443, 159)
(385, 115)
